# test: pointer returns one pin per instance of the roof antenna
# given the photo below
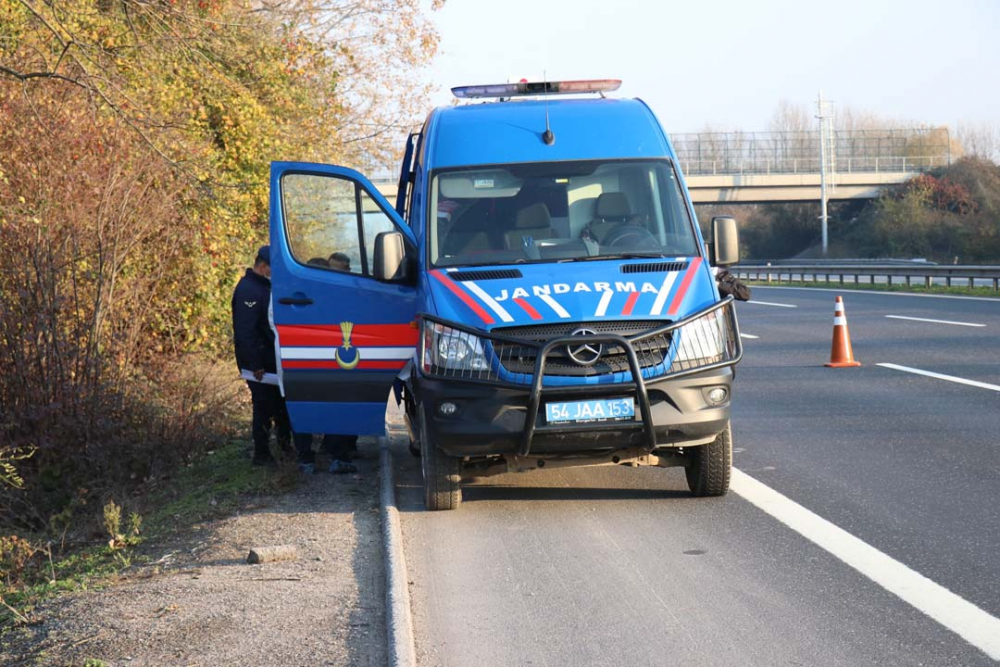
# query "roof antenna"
(547, 136)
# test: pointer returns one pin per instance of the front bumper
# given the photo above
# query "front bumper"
(495, 417)
(493, 420)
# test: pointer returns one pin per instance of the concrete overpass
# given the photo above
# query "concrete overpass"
(762, 167)
(773, 188)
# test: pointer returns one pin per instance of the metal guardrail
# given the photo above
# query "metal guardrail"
(926, 273)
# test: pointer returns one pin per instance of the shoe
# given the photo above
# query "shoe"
(307, 468)
(342, 468)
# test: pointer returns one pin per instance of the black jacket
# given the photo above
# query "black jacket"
(252, 334)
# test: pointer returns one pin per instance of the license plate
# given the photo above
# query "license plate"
(591, 412)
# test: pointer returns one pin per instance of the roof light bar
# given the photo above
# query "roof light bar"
(537, 88)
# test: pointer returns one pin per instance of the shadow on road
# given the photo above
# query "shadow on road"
(494, 492)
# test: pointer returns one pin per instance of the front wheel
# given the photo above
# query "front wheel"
(442, 474)
(709, 466)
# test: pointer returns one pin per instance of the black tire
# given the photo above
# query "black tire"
(442, 474)
(709, 466)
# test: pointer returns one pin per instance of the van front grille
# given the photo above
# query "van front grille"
(521, 358)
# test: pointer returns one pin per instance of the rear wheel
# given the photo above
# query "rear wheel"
(442, 474)
(709, 466)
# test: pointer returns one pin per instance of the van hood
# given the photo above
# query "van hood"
(488, 298)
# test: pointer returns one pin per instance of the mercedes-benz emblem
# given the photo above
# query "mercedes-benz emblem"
(585, 354)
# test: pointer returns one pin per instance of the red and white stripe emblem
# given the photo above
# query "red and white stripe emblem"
(685, 284)
(380, 346)
(455, 289)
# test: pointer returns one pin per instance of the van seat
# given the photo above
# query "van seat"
(612, 209)
(533, 221)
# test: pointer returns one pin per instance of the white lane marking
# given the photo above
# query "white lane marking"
(965, 619)
(924, 319)
(661, 296)
(554, 305)
(768, 303)
(290, 353)
(861, 291)
(602, 307)
(489, 301)
(941, 376)
(743, 335)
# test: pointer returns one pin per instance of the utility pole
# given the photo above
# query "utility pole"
(826, 161)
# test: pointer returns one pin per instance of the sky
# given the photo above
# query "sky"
(726, 64)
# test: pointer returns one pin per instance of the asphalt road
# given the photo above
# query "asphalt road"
(618, 566)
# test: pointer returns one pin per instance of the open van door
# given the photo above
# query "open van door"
(343, 335)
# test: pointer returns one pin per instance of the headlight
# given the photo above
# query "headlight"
(701, 341)
(449, 349)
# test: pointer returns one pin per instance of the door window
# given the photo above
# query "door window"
(331, 222)
(375, 222)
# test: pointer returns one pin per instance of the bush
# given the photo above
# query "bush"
(135, 142)
(15, 554)
(95, 390)
(951, 214)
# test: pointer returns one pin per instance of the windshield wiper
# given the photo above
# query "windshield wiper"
(506, 263)
(559, 260)
(623, 255)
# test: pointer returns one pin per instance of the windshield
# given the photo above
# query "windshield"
(558, 211)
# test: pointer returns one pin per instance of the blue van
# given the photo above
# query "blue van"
(539, 295)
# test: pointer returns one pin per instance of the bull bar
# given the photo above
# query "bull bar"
(731, 351)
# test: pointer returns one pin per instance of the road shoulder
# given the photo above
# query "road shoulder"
(199, 603)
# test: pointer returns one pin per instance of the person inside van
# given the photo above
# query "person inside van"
(339, 261)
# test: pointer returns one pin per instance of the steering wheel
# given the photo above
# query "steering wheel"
(629, 234)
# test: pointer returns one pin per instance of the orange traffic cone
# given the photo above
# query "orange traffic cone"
(841, 354)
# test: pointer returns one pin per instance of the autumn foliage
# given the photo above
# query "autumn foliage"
(135, 142)
(951, 214)
(939, 193)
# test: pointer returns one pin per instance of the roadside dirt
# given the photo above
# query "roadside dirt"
(201, 604)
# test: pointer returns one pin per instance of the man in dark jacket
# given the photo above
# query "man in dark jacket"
(254, 342)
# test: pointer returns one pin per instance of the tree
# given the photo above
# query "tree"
(980, 140)
(135, 142)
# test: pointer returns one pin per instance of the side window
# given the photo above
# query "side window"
(375, 222)
(331, 222)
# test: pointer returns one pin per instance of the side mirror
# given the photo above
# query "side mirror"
(725, 241)
(389, 255)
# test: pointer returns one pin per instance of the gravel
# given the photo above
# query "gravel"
(203, 605)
